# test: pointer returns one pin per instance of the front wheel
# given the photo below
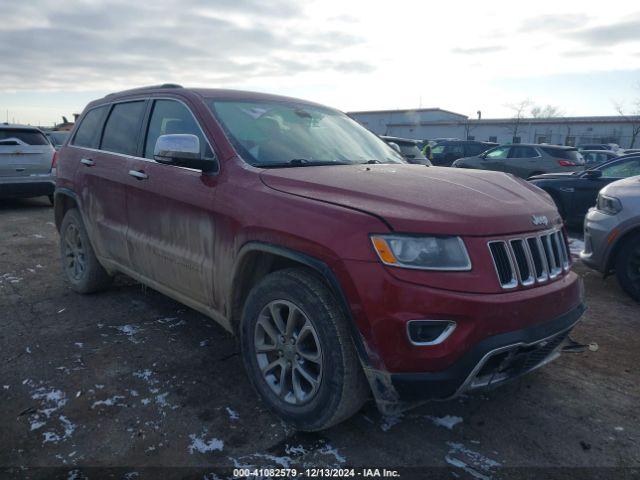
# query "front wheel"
(298, 352)
(79, 262)
(628, 266)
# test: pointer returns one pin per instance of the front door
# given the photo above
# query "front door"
(494, 159)
(171, 225)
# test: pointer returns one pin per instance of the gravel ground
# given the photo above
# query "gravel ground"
(124, 382)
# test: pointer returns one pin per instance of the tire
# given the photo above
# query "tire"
(79, 262)
(340, 389)
(628, 266)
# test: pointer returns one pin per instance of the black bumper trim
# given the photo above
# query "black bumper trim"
(449, 382)
(27, 189)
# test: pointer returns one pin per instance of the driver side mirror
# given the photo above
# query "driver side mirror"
(182, 150)
(593, 174)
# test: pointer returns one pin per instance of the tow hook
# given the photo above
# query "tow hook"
(572, 346)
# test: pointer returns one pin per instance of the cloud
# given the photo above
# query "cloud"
(553, 22)
(478, 50)
(115, 44)
(608, 35)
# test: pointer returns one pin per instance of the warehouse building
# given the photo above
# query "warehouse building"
(430, 123)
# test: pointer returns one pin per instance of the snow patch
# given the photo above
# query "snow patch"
(233, 415)
(130, 331)
(109, 402)
(389, 421)
(200, 445)
(329, 450)
(576, 245)
(448, 421)
(472, 462)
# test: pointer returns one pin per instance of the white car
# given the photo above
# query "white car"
(27, 162)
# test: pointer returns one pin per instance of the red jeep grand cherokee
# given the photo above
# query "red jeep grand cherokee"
(344, 271)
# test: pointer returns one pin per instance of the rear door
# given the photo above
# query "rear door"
(171, 212)
(523, 161)
(24, 152)
(103, 176)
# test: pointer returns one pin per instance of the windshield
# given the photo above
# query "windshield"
(22, 137)
(58, 138)
(278, 133)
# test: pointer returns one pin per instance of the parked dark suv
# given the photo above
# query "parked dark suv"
(444, 153)
(344, 270)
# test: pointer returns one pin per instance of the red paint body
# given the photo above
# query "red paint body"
(327, 213)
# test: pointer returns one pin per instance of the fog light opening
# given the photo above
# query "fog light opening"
(429, 332)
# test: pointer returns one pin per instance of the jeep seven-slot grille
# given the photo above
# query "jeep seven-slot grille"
(530, 259)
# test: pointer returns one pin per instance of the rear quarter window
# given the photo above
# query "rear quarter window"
(88, 132)
(16, 136)
(572, 155)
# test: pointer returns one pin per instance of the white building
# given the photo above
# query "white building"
(429, 123)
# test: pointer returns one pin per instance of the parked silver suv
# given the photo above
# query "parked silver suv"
(525, 160)
(612, 234)
(27, 162)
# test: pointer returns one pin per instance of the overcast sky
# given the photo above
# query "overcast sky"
(353, 55)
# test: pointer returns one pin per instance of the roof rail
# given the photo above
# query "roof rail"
(149, 87)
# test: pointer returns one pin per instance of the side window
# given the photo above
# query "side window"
(523, 152)
(474, 149)
(171, 117)
(455, 150)
(623, 169)
(122, 128)
(88, 133)
(498, 152)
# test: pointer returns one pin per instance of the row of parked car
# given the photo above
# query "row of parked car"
(575, 178)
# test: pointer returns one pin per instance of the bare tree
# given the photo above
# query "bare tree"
(632, 116)
(519, 112)
(548, 111)
(468, 128)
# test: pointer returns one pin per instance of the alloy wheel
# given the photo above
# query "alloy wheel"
(288, 352)
(74, 253)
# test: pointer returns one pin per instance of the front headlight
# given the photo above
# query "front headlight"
(608, 205)
(424, 253)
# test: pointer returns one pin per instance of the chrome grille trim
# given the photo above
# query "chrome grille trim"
(531, 259)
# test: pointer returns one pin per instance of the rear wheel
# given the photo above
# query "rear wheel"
(79, 262)
(298, 352)
(628, 266)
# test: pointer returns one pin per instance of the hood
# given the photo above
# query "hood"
(625, 188)
(418, 199)
(559, 175)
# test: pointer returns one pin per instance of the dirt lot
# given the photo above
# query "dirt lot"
(131, 379)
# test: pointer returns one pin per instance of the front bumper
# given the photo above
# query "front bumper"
(598, 227)
(491, 362)
(31, 186)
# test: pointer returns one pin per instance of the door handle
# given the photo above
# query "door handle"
(88, 162)
(138, 174)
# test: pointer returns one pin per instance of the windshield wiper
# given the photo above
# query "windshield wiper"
(300, 162)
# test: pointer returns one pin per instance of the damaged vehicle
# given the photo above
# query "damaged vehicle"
(345, 271)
